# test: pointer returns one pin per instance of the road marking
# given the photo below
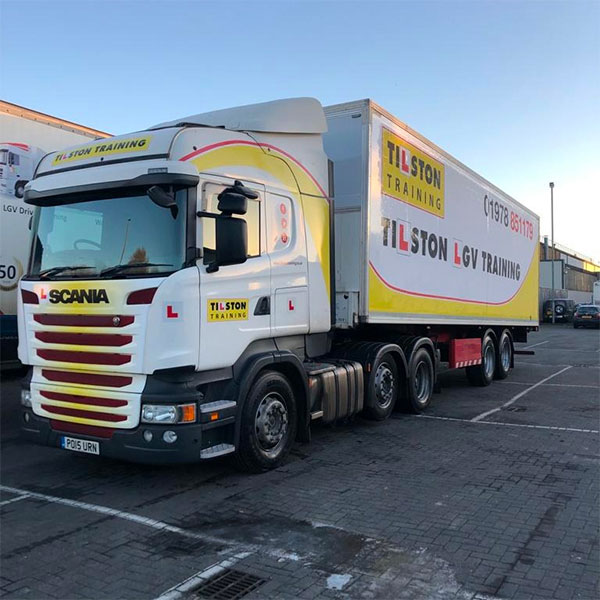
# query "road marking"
(534, 345)
(567, 385)
(550, 427)
(183, 588)
(23, 497)
(519, 395)
(153, 523)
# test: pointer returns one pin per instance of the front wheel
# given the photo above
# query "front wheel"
(20, 189)
(269, 423)
(483, 374)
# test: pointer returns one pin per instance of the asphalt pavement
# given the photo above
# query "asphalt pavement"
(493, 493)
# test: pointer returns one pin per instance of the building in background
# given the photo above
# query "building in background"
(574, 274)
(25, 136)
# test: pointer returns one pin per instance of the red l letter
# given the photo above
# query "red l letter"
(456, 254)
(402, 243)
(171, 314)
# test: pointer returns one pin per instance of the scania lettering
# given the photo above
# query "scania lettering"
(215, 284)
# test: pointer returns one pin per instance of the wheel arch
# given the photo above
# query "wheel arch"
(287, 364)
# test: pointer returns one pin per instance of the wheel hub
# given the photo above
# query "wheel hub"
(422, 383)
(489, 360)
(271, 421)
(384, 385)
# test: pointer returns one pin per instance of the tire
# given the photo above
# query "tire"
(383, 388)
(20, 189)
(504, 356)
(482, 375)
(420, 384)
(269, 423)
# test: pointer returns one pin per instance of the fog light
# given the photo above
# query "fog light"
(26, 417)
(169, 437)
(148, 436)
(26, 398)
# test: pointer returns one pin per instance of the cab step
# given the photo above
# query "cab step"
(218, 450)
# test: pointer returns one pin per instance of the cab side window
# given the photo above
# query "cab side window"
(210, 202)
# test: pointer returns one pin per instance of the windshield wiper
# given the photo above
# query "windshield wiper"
(57, 270)
(126, 266)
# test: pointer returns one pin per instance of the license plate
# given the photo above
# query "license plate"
(76, 445)
(586, 316)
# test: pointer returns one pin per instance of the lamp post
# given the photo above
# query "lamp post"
(553, 249)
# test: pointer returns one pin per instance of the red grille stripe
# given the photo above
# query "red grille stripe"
(84, 414)
(91, 400)
(83, 339)
(91, 358)
(84, 320)
(80, 429)
(87, 378)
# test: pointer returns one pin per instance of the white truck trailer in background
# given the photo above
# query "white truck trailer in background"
(214, 284)
(25, 136)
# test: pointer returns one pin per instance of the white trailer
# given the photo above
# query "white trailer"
(214, 284)
(25, 137)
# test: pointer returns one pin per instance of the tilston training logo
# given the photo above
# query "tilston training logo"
(65, 296)
(228, 309)
(410, 175)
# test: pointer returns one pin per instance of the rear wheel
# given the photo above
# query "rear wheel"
(504, 356)
(421, 379)
(483, 374)
(382, 389)
(269, 422)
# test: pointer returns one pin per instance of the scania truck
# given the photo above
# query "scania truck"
(214, 284)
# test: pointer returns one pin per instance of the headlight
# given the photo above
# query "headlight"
(168, 413)
(26, 398)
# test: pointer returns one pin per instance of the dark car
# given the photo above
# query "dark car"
(564, 310)
(587, 315)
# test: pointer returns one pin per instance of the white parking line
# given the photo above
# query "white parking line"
(534, 345)
(550, 427)
(153, 523)
(487, 413)
(183, 588)
(566, 385)
(23, 497)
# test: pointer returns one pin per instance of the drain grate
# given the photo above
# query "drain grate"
(229, 585)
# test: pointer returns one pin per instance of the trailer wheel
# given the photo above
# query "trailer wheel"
(483, 374)
(269, 422)
(504, 356)
(382, 389)
(421, 379)
(20, 189)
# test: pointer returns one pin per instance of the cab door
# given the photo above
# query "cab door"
(286, 244)
(235, 305)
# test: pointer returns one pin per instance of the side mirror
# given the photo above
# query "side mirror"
(234, 200)
(231, 243)
(163, 199)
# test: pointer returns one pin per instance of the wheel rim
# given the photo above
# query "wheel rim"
(422, 383)
(384, 385)
(505, 355)
(271, 424)
(489, 361)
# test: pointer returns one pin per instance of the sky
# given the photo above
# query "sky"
(510, 88)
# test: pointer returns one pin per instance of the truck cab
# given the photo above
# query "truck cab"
(169, 266)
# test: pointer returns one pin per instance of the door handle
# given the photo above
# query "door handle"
(263, 306)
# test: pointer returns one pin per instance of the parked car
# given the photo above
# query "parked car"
(587, 315)
(564, 310)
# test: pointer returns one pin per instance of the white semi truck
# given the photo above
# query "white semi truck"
(214, 284)
(22, 130)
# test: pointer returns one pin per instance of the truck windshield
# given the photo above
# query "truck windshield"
(117, 237)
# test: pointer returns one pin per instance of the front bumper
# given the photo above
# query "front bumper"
(128, 445)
